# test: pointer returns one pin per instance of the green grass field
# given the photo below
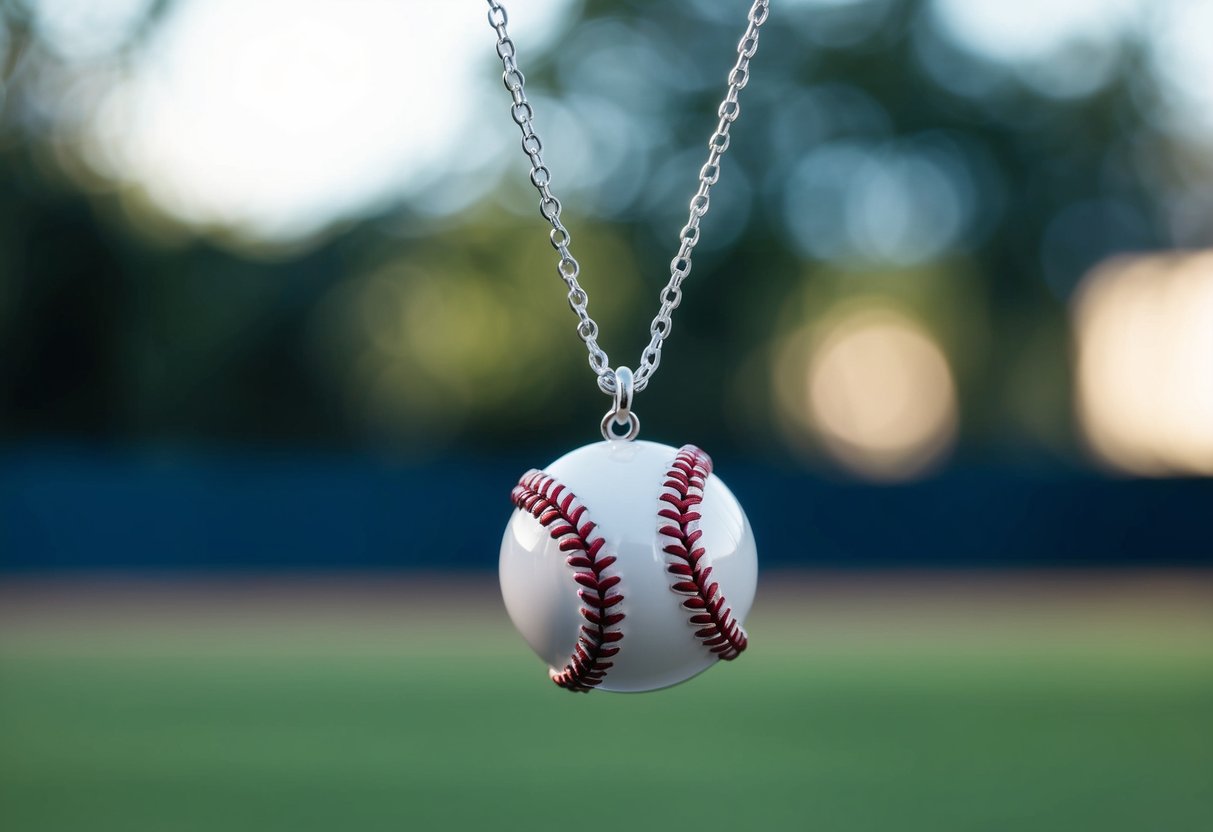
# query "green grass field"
(889, 705)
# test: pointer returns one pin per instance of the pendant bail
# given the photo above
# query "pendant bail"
(621, 414)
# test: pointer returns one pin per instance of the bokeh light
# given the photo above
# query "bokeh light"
(1183, 63)
(1031, 29)
(1144, 330)
(275, 119)
(82, 30)
(1060, 50)
(903, 202)
(877, 391)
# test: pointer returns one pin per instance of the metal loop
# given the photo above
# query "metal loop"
(621, 415)
(606, 379)
(608, 430)
(521, 112)
(624, 394)
(513, 80)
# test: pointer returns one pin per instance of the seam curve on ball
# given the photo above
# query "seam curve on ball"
(678, 526)
(567, 521)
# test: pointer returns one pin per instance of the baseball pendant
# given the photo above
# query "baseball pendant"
(628, 566)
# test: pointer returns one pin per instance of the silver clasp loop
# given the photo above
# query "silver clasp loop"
(621, 414)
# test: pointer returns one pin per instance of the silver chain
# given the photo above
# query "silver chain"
(549, 206)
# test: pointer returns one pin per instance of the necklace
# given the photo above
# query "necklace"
(615, 563)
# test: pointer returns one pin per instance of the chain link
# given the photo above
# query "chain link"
(549, 206)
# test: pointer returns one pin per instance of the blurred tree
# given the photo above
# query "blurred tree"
(875, 158)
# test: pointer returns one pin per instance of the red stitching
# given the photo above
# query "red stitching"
(567, 521)
(682, 492)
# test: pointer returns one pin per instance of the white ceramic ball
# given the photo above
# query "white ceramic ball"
(620, 484)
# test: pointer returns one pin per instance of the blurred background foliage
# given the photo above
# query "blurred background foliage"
(260, 225)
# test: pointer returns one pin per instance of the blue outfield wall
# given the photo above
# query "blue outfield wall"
(72, 509)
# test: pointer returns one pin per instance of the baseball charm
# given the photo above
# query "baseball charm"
(628, 566)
